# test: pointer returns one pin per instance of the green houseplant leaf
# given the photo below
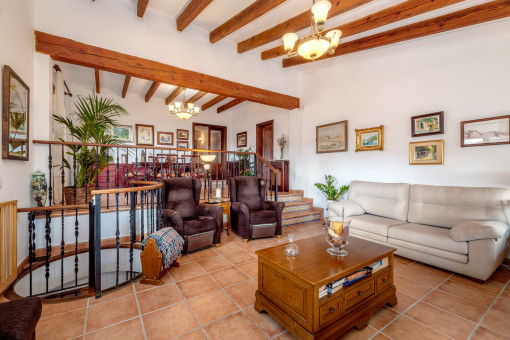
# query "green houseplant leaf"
(329, 190)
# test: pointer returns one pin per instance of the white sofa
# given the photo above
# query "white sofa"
(461, 229)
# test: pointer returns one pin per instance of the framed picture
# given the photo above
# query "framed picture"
(182, 145)
(15, 116)
(370, 139)
(331, 137)
(144, 134)
(428, 124)
(428, 152)
(242, 139)
(486, 131)
(165, 138)
(182, 134)
(123, 133)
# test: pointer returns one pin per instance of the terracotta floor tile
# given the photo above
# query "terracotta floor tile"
(204, 254)
(229, 276)
(403, 302)
(492, 287)
(381, 336)
(212, 306)
(356, 334)
(506, 293)
(414, 273)
(285, 336)
(234, 327)
(240, 257)
(467, 292)
(405, 328)
(50, 309)
(250, 268)
(197, 286)
(498, 322)
(128, 330)
(185, 271)
(265, 322)
(431, 269)
(124, 291)
(443, 321)
(169, 322)
(228, 248)
(456, 305)
(402, 260)
(243, 293)
(411, 288)
(111, 312)
(483, 333)
(159, 297)
(500, 277)
(63, 326)
(215, 263)
(186, 259)
(502, 305)
(382, 317)
(196, 334)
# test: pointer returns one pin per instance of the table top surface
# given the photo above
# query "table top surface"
(316, 266)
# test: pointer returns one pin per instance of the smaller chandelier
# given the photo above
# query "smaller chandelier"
(315, 45)
(180, 110)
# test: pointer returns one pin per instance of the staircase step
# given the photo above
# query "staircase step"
(289, 197)
(296, 206)
(313, 214)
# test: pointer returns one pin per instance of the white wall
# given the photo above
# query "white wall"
(464, 73)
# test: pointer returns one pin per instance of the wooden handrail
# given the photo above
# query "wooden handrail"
(149, 185)
(54, 207)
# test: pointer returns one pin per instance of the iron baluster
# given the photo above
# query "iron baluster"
(142, 223)
(107, 177)
(47, 236)
(152, 211)
(97, 244)
(76, 234)
(117, 170)
(50, 168)
(92, 262)
(276, 190)
(31, 244)
(117, 237)
(159, 210)
(74, 174)
(97, 169)
(132, 226)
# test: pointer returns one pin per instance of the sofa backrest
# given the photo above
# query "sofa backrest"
(444, 206)
(383, 199)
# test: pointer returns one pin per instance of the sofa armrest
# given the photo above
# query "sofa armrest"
(173, 219)
(478, 230)
(273, 205)
(351, 208)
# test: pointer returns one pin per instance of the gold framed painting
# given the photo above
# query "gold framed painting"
(370, 139)
(427, 152)
(331, 137)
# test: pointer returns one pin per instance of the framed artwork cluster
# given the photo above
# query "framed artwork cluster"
(331, 137)
(485, 131)
(431, 151)
(182, 139)
(145, 136)
(370, 139)
(242, 139)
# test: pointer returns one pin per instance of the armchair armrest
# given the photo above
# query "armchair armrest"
(209, 210)
(174, 219)
(273, 205)
(240, 208)
(478, 230)
(351, 208)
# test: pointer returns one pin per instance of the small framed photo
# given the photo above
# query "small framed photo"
(486, 131)
(182, 144)
(331, 137)
(165, 138)
(428, 124)
(242, 139)
(370, 139)
(182, 134)
(144, 134)
(428, 152)
(123, 133)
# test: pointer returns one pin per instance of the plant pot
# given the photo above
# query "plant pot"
(83, 195)
(328, 202)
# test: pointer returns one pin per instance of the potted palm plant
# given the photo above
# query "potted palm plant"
(91, 122)
(328, 189)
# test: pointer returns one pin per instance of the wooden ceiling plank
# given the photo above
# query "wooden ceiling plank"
(247, 15)
(73, 52)
(192, 10)
(173, 95)
(493, 10)
(96, 75)
(295, 24)
(213, 102)
(196, 97)
(152, 90)
(141, 7)
(229, 105)
(126, 85)
(387, 16)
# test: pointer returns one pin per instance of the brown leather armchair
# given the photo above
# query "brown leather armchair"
(200, 225)
(251, 215)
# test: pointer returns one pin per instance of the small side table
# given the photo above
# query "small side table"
(226, 211)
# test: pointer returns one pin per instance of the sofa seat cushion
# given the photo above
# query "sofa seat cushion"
(428, 236)
(421, 253)
(263, 216)
(368, 236)
(373, 224)
(198, 225)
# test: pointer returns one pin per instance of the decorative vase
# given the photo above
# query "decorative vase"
(281, 152)
(38, 189)
(291, 249)
(337, 234)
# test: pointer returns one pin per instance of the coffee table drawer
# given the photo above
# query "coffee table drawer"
(330, 310)
(383, 281)
(359, 294)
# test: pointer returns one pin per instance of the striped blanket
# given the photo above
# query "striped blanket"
(169, 244)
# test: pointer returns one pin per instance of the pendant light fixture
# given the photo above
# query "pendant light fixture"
(180, 110)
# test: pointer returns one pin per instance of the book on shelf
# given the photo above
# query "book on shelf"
(323, 293)
(336, 283)
(334, 290)
(375, 267)
(357, 275)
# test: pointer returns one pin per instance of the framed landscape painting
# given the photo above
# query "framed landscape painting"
(331, 137)
(370, 139)
(182, 144)
(486, 131)
(242, 139)
(428, 152)
(165, 138)
(123, 133)
(144, 134)
(182, 134)
(428, 124)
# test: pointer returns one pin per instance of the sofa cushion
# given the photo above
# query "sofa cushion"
(389, 200)
(444, 206)
(351, 208)
(373, 224)
(478, 230)
(248, 192)
(403, 248)
(368, 236)
(185, 207)
(428, 236)
(199, 225)
(263, 216)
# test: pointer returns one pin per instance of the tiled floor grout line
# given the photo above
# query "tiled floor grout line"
(253, 322)
(139, 312)
(86, 315)
(487, 312)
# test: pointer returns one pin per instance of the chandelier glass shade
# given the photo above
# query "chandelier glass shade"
(182, 109)
(316, 44)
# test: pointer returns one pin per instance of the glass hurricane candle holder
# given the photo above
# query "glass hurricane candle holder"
(337, 234)
(291, 249)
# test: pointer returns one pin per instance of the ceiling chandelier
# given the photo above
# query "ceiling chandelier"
(180, 110)
(316, 44)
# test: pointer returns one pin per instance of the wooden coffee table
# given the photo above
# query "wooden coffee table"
(288, 288)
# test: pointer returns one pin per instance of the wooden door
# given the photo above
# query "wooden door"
(265, 140)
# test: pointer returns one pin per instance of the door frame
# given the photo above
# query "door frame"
(218, 127)
(260, 127)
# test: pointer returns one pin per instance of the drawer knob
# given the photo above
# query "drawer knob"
(332, 310)
(361, 293)
(384, 280)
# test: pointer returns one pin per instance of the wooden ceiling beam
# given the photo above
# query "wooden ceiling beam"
(73, 52)
(152, 90)
(196, 97)
(96, 75)
(404, 10)
(493, 10)
(192, 10)
(295, 24)
(141, 7)
(247, 15)
(229, 105)
(126, 85)
(213, 102)
(173, 95)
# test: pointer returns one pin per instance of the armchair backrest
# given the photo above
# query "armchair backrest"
(182, 195)
(248, 190)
